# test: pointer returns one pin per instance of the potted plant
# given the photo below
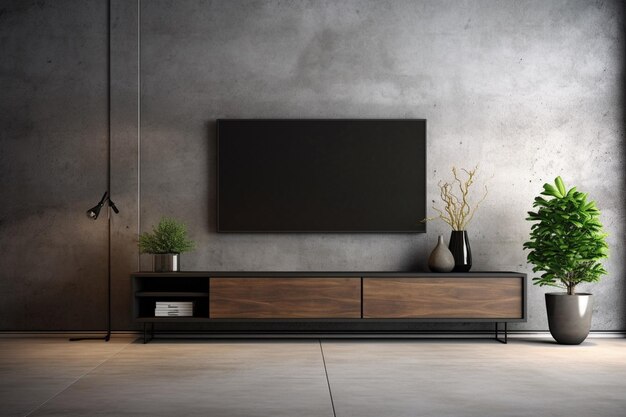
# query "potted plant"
(166, 242)
(566, 243)
(458, 211)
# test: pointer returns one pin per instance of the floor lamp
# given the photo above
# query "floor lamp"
(93, 214)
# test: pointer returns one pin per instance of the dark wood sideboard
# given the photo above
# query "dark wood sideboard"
(497, 297)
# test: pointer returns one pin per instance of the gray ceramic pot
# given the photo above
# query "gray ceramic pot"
(166, 262)
(569, 317)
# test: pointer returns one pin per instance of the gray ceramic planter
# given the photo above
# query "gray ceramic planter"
(569, 317)
(166, 262)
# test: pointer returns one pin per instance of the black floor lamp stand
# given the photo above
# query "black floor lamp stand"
(93, 213)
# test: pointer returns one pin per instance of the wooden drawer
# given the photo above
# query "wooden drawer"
(264, 298)
(445, 297)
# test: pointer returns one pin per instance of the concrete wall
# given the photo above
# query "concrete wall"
(53, 141)
(526, 89)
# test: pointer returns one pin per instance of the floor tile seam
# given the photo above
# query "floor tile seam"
(330, 391)
(75, 380)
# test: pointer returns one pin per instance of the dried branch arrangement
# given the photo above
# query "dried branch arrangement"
(457, 210)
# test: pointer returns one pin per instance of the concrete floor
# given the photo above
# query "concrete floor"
(378, 378)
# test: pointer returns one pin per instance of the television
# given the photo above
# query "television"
(321, 176)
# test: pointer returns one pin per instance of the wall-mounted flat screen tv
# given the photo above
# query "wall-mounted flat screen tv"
(337, 175)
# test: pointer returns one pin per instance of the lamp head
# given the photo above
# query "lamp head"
(93, 212)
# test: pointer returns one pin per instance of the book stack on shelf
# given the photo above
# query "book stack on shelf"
(173, 309)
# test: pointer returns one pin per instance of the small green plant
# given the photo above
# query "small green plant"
(567, 240)
(169, 236)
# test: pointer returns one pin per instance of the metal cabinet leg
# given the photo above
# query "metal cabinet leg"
(506, 334)
(145, 332)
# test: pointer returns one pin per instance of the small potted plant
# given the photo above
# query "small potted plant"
(458, 212)
(166, 242)
(566, 243)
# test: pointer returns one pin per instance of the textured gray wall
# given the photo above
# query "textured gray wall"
(528, 90)
(53, 125)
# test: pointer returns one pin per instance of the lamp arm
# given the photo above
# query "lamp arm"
(104, 198)
(112, 205)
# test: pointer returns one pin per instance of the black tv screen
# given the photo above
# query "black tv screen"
(321, 175)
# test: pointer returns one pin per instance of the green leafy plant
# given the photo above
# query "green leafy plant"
(169, 236)
(567, 240)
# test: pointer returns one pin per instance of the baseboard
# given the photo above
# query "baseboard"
(67, 334)
(514, 334)
(415, 335)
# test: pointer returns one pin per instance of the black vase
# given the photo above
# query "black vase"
(460, 248)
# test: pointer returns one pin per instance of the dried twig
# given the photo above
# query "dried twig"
(457, 210)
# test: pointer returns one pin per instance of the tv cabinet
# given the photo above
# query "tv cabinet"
(326, 297)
